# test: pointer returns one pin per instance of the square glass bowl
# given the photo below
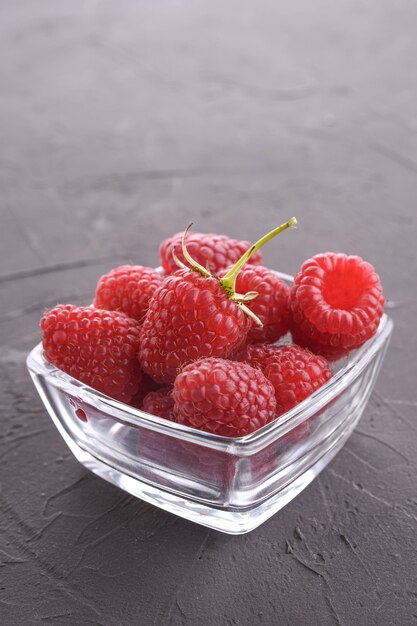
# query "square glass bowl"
(229, 484)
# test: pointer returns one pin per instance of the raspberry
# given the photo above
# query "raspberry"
(295, 373)
(206, 317)
(255, 354)
(223, 397)
(97, 347)
(160, 403)
(189, 317)
(270, 305)
(127, 288)
(214, 252)
(336, 303)
(146, 386)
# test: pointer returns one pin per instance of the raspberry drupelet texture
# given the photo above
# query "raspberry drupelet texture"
(160, 403)
(295, 374)
(189, 317)
(223, 397)
(214, 252)
(336, 303)
(256, 354)
(97, 347)
(271, 304)
(127, 288)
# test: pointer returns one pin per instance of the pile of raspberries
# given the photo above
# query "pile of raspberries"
(199, 343)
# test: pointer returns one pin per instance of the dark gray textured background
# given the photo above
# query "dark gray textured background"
(119, 123)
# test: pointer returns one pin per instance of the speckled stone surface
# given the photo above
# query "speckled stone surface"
(120, 122)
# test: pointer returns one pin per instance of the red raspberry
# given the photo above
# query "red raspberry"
(295, 374)
(127, 288)
(256, 354)
(97, 347)
(146, 386)
(189, 317)
(271, 304)
(336, 303)
(160, 403)
(195, 315)
(214, 252)
(223, 397)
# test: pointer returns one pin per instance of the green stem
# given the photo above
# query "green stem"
(192, 262)
(228, 281)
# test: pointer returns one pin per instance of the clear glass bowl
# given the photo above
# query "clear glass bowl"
(229, 484)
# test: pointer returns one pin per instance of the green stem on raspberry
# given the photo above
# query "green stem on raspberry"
(187, 256)
(229, 279)
(177, 262)
(249, 313)
(245, 297)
